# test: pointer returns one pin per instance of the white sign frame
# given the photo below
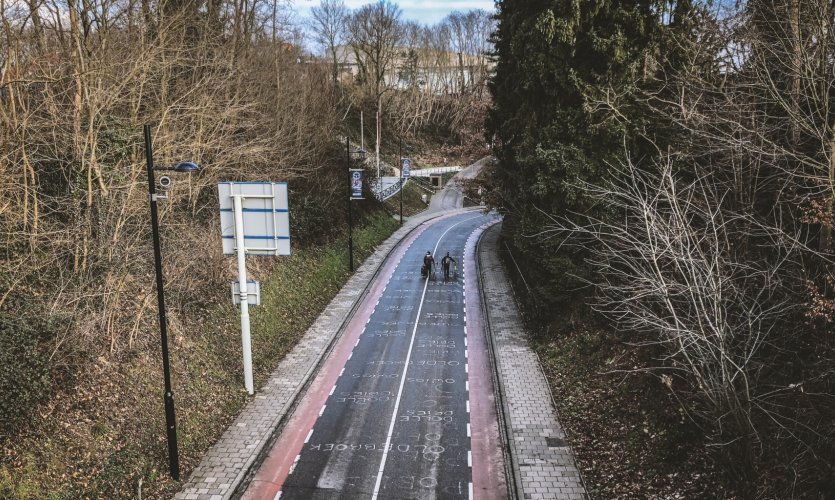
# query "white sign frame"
(266, 217)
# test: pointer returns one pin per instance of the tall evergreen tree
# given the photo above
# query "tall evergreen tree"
(550, 55)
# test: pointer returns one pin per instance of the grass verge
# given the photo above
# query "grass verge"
(412, 204)
(107, 438)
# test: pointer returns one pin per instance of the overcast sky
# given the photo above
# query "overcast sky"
(423, 11)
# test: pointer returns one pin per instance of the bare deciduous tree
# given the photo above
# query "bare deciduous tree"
(376, 32)
(330, 24)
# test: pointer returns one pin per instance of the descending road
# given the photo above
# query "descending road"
(451, 196)
(403, 407)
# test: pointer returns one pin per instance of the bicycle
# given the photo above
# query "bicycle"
(452, 274)
(428, 272)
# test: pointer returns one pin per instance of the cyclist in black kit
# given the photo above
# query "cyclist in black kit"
(445, 262)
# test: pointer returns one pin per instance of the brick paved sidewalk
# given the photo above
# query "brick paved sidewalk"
(542, 462)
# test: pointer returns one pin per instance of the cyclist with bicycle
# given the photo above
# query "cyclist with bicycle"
(445, 263)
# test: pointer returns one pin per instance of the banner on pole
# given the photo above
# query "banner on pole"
(356, 183)
(405, 166)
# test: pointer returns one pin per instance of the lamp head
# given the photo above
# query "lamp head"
(186, 166)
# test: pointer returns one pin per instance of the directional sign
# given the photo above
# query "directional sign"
(266, 217)
(356, 183)
(405, 166)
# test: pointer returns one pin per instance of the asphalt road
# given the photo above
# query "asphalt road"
(403, 407)
(451, 196)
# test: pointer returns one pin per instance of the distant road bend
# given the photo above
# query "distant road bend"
(403, 408)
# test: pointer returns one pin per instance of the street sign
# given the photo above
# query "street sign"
(356, 183)
(266, 217)
(253, 293)
(405, 166)
(254, 220)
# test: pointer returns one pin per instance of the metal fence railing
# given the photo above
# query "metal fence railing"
(425, 172)
(389, 191)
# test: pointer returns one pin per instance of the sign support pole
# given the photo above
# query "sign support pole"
(246, 342)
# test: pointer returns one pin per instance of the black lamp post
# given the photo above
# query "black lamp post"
(361, 155)
(170, 420)
(408, 148)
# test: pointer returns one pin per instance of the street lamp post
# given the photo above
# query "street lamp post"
(170, 420)
(400, 154)
(350, 219)
(361, 155)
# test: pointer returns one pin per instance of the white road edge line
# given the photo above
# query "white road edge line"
(405, 368)
(295, 463)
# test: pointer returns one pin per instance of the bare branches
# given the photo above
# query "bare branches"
(330, 21)
(668, 270)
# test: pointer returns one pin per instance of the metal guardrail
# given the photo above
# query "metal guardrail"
(421, 181)
(423, 172)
